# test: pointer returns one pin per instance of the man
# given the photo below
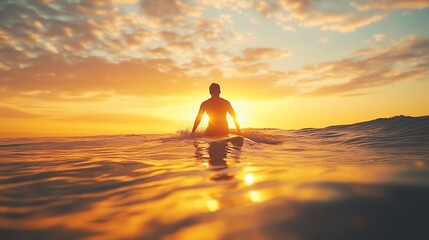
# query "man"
(216, 108)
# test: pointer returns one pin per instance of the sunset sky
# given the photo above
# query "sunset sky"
(85, 67)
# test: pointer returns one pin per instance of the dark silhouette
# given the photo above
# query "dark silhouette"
(216, 108)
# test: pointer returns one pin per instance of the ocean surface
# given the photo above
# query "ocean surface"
(367, 180)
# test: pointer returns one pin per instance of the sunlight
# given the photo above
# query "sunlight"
(249, 179)
(254, 196)
(212, 205)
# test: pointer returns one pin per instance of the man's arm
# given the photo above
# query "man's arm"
(234, 116)
(198, 118)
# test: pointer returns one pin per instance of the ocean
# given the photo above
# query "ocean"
(367, 180)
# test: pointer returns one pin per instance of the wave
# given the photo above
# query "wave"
(262, 137)
(255, 135)
(398, 131)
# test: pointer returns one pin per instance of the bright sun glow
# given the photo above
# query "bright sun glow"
(249, 179)
(254, 196)
(212, 205)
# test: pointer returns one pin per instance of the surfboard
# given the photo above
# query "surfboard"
(233, 138)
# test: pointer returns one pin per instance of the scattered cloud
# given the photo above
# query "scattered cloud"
(369, 68)
(68, 29)
(169, 13)
(390, 4)
(114, 117)
(378, 37)
(67, 49)
(91, 74)
(8, 112)
(235, 5)
(255, 54)
(340, 16)
(94, 78)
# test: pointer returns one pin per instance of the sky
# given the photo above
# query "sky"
(90, 67)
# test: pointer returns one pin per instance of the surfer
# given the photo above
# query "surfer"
(216, 108)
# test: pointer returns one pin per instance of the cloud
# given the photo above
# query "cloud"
(341, 16)
(180, 46)
(8, 112)
(102, 29)
(349, 23)
(169, 13)
(96, 50)
(257, 53)
(125, 1)
(369, 68)
(250, 55)
(235, 5)
(164, 8)
(390, 4)
(83, 79)
(114, 117)
(36, 29)
(92, 74)
(158, 52)
(84, 96)
(365, 69)
(378, 37)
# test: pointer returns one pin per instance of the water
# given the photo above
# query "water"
(362, 181)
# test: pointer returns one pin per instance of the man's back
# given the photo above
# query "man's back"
(216, 108)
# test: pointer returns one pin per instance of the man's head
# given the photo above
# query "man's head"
(214, 89)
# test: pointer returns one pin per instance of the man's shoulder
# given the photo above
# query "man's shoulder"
(222, 100)
(206, 101)
(225, 101)
(215, 100)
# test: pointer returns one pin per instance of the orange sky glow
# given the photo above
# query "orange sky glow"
(90, 67)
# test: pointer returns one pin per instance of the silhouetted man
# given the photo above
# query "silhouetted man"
(216, 108)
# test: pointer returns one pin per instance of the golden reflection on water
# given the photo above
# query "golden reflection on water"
(212, 205)
(254, 196)
(116, 218)
(206, 231)
(419, 164)
(214, 190)
(249, 178)
(299, 182)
